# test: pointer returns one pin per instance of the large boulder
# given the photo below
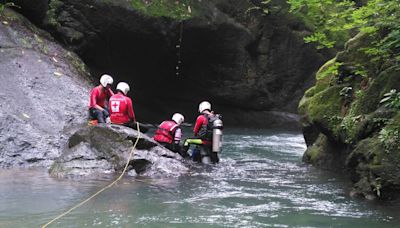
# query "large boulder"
(43, 88)
(106, 149)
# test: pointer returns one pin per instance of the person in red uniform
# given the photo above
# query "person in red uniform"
(169, 133)
(121, 109)
(203, 131)
(98, 97)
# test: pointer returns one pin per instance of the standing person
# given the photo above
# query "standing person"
(169, 133)
(98, 96)
(121, 107)
(203, 130)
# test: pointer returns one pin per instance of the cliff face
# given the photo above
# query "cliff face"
(346, 126)
(253, 67)
(43, 89)
(43, 112)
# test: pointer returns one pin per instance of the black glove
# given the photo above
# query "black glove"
(106, 113)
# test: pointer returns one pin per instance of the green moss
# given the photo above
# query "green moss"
(368, 100)
(165, 8)
(325, 105)
(317, 153)
(51, 14)
(77, 63)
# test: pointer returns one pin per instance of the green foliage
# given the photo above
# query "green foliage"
(346, 92)
(264, 7)
(329, 19)
(331, 70)
(51, 18)
(181, 9)
(390, 139)
(391, 99)
(334, 21)
(7, 4)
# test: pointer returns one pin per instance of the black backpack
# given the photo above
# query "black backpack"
(206, 131)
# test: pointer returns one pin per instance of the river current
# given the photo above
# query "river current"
(259, 182)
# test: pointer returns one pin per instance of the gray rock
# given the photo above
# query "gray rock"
(43, 89)
(106, 149)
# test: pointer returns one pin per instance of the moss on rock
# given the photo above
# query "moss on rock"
(368, 130)
(165, 8)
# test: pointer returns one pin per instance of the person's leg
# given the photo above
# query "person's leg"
(214, 157)
(97, 114)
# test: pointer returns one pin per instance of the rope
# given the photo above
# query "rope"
(103, 189)
(179, 46)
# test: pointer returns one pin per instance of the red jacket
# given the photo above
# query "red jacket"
(121, 109)
(166, 131)
(98, 96)
(201, 122)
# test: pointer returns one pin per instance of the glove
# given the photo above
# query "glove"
(106, 113)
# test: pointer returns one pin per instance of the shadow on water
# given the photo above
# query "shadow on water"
(260, 182)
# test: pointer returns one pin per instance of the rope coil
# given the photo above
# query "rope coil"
(104, 188)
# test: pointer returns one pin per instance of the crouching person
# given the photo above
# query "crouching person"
(98, 96)
(121, 109)
(169, 134)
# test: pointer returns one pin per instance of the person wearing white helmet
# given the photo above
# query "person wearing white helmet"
(121, 108)
(169, 133)
(203, 129)
(98, 97)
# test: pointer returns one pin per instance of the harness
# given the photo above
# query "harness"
(206, 130)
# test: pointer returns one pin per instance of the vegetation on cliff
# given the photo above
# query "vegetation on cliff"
(165, 8)
(353, 111)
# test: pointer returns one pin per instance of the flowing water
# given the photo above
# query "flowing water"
(260, 182)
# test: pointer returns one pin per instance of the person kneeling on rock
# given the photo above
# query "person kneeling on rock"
(121, 109)
(97, 104)
(169, 134)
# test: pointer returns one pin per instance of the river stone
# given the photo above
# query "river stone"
(105, 149)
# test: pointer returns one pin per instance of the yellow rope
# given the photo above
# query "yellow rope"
(103, 189)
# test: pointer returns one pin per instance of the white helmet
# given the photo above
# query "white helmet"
(123, 87)
(204, 106)
(178, 118)
(106, 79)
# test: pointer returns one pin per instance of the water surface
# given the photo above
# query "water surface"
(260, 182)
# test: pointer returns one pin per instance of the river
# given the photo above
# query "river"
(260, 182)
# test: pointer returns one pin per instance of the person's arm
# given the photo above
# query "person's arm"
(93, 99)
(178, 135)
(131, 113)
(110, 92)
(198, 124)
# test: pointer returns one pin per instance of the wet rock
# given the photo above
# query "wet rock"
(355, 132)
(106, 149)
(43, 89)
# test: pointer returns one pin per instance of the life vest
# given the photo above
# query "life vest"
(165, 132)
(206, 130)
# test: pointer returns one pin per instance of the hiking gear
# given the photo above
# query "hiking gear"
(123, 87)
(106, 80)
(205, 105)
(178, 118)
